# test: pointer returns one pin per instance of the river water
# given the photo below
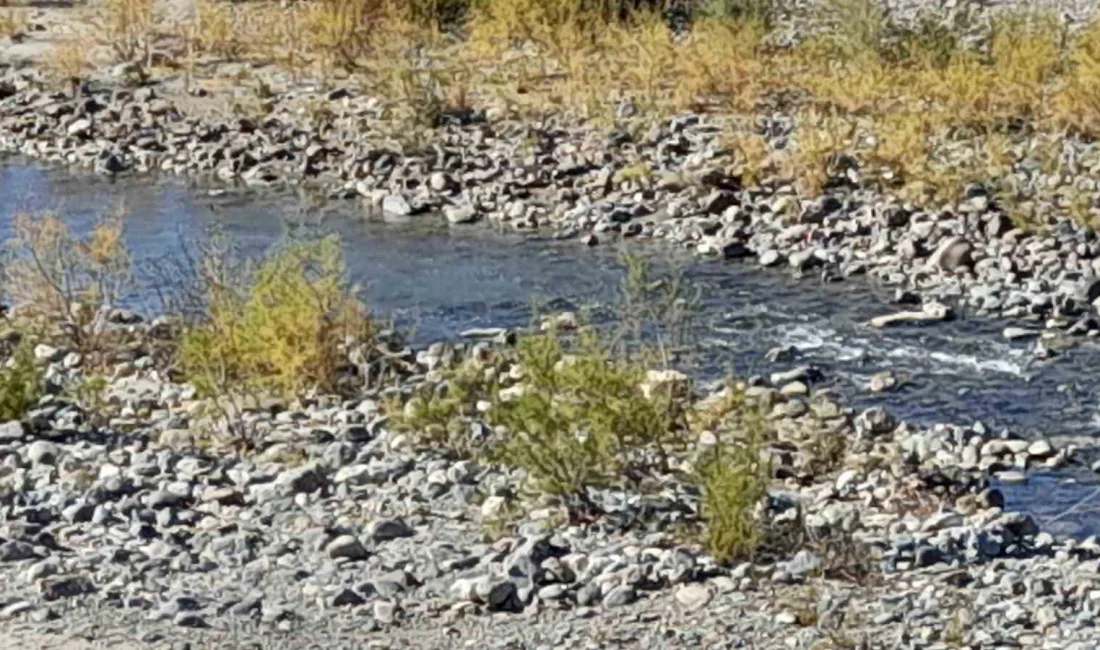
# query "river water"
(441, 280)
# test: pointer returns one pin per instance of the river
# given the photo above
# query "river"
(440, 280)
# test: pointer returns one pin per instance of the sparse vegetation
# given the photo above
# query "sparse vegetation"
(128, 28)
(578, 422)
(914, 101)
(69, 63)
(733, 476)
(285, 330)
(20, 383)
(438, 415)
(12, 22)
(61, 282)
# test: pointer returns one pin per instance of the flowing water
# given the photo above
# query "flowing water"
(442, 280)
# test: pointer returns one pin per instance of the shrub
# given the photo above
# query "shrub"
(128, 28)
(20, 383)
(579, 421)
(341, 30)
(1077, 104)
(59, 279)
(12, 22)
(439, 414)
(759, 12)
(733, 478)
(68, 63)
(656, 313)
(217, 29)
(852, 29)
(284, 332)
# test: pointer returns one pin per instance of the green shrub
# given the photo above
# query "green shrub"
(20, 384)
(578, 421)
(284, 332)
(656, 312)
(438, 414)
(733, 477)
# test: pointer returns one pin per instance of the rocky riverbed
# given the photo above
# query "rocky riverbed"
(129, 524)
(574, 181)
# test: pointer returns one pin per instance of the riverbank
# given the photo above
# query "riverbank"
(155, 499)
(141, 511)
(128, 522)
(706, 180)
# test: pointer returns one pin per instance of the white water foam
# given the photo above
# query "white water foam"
(1002, 359)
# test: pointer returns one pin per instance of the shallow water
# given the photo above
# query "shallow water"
(442, 280)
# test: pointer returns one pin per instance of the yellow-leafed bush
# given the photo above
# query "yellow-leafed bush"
(285, 332)
(60, 279)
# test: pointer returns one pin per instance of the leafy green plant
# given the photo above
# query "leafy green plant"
(733, 477)
(579, 420)
(655, 312)
(20, 383)
(437, 414)
(283, 333)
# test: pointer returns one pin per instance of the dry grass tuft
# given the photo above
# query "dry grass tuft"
(69, 62)
(12, 22)
(128, 27)
(919, 103)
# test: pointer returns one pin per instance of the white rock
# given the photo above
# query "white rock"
(693, 596)
(672, 381)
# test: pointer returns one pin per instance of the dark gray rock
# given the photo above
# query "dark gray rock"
(65, 587)
(382, 530)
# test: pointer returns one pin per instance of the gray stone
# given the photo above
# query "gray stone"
(347, 546)
(16, 550)
(1012, 477)
(347, 598)
(881, 382)
(770, 257)
(16, 608)
(79, 127)
(1040, 449)
(381, 530)
(308, 478)
(502, 597)
(460, 213)
(930, 313)
(396, 205)
(44, 352)
(385, 611)
(164, 499)
(65, 587)
(927, 556)
(11, 431)
(190, 619)
(619, 596)
(440, 182)
(952, 254)
(588, 595)
(1019, 333)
